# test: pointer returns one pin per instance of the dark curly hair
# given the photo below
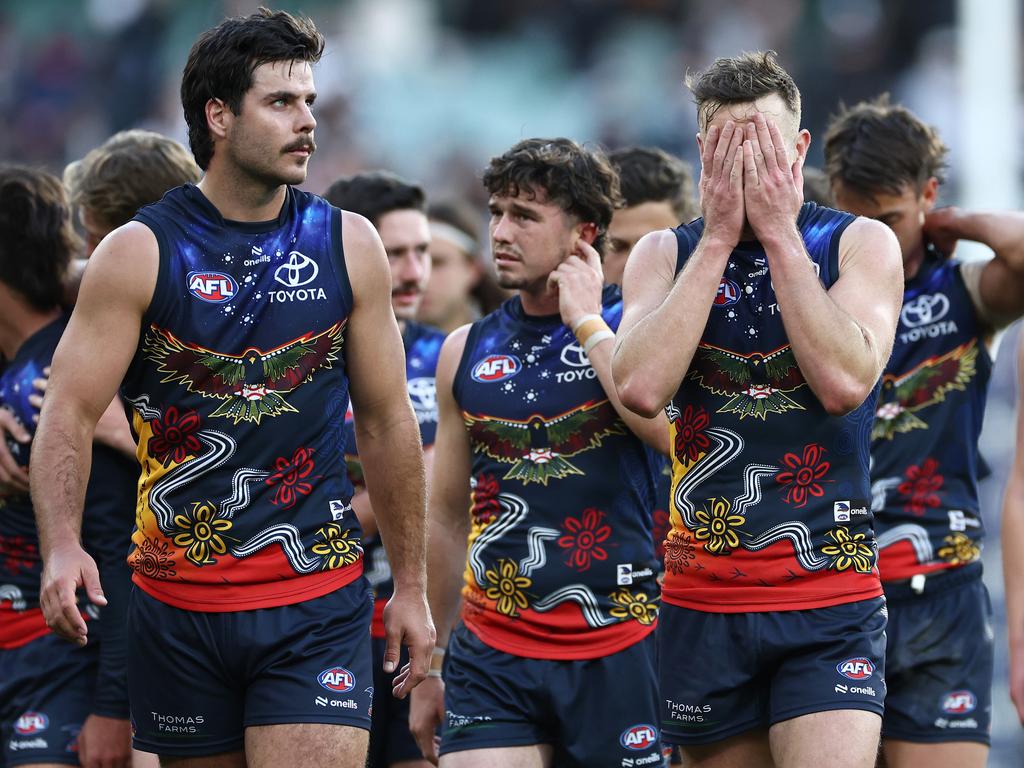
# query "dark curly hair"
(876, 146)
(374, 193)
(741, 79)
(223, 59)
(652, 175)
(581, 181)
(37, 240)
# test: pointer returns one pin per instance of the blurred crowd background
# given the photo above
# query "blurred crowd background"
(432, 88)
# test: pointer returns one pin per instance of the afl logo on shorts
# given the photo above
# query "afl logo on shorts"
(496, 368)
(856, 669)
(639, 737)
(337, 679)
(728, 293)
(212, 287)
(31, 722)
(959, 703)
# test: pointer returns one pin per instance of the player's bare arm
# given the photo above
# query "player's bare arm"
(580, 281)
(448, 534)
(87, 369)
(389, 447)
(362, 505)
(1012, 539)
(841, 337)
(1000, 285)
(665, 315)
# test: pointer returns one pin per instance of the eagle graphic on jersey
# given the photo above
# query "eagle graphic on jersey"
(253, 383)
(756, 383)
(537, 447)
(928, 383)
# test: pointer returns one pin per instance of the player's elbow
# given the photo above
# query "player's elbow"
(844, 395)
(640, 396)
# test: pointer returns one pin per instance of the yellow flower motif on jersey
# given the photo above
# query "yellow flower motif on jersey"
(961, 550)
(201, 530)
(335, 547)
(848, 550)
(508, 587)
(717, 527)
(634, 606)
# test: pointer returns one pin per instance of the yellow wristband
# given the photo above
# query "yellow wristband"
(589, 328)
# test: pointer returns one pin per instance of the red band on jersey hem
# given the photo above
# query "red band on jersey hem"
(222, 598)
(18, 628)
(712, 600)
(377, 622)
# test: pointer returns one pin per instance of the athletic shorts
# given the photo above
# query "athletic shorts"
(46, 690)
(390, 739)
(725, 673)
(594, 712)
(939, 659)
(197, 680)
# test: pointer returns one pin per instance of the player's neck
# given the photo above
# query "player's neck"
(20, 321)
(912, 263)
(540, 300)
(239, 197)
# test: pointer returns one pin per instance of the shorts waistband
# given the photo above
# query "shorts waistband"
(930, 584)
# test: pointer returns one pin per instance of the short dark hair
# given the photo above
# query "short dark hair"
(652, 175)
(816, 187)
(374, 193)
(129, 170)
(876, 146)
(581, 181)
(223, 59)
(741, 79)
(37, 240)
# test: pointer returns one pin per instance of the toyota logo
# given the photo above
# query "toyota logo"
(574, 356)
(925, 309)
(298, 271)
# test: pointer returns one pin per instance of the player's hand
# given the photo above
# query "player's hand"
(426, 713)
(1017, 679)
(105, 742)
(39, 386)
(66, 569)
(579, 280)
(941, 229)
(13, 476)
(407, 622)
(773, 188)
(721, 184)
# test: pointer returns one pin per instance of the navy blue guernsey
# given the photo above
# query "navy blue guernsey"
(770, 505)
(925, 439)
(238, 392)
(422, 347)
(561, 559)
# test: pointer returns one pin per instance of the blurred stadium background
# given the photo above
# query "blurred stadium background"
(432, 88)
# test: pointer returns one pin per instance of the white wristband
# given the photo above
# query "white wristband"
(596, 338)
(582, 320)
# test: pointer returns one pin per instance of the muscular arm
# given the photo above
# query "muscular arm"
(1012, 539)
(842, 337)
(389, 445)
(362, 505)
(87, 369)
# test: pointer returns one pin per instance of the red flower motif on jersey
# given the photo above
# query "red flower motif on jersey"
(805, 475)
(17, 554)
(679, 551)
(661, 527)
(921, 486)
(174, 438)
(486, 506)
(290, 477)
(583, 538)
(690, 438)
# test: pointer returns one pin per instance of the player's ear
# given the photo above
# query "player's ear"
(217, 118)
(587, 231)
(930, 193)
(803, 142)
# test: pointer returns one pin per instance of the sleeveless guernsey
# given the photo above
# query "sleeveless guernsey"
(237, 394)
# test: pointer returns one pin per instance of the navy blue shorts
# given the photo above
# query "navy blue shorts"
(939, 659)
(725, 673)
(46, 690)
(593, 712)
(390, 739)
(197, 680)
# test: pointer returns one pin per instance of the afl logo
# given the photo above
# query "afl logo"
(496, 368)
(31, 722)
(728, 293)
(337, 679)
(212, 287)
(299, 270)
(639, 737)
(959, 703)
(856, 669)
